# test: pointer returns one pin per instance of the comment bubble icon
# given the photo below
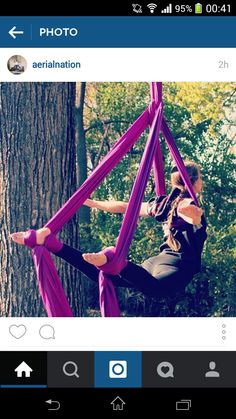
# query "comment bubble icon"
(47, 332)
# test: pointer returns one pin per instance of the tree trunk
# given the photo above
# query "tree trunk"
(37, 175)
(84, 213)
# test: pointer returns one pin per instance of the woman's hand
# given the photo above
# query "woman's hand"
(189, 212)
(90, 203)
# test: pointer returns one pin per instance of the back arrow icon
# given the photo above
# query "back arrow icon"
(13, 32)
(55, 403)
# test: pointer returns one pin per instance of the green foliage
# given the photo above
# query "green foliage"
(201, 117)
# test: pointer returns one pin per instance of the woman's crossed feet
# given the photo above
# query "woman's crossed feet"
(41, 235)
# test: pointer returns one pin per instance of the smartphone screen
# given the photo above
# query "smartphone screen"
(117, 210)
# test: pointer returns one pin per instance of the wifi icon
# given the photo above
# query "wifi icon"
(152, 7)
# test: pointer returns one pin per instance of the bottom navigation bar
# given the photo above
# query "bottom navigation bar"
(174, 369)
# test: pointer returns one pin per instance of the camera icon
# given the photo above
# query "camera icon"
(117, 369)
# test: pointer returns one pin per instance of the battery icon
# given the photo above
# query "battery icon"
(198, 8)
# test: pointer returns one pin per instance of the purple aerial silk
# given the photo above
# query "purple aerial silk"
(178, 159)
(158, 167)
(130, 219)
(50, 286)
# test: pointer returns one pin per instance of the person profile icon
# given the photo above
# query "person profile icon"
(212, 373)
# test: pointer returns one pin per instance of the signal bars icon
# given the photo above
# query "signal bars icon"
(152, 7)
(168, 9)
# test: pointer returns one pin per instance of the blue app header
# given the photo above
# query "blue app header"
(114, 32)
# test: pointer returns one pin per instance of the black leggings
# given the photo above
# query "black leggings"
(158, 277)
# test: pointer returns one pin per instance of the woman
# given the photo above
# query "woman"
(163, 275)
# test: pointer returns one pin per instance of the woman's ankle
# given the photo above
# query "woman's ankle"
(42, 234)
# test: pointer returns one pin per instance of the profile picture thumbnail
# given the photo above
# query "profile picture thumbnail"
(17, 64)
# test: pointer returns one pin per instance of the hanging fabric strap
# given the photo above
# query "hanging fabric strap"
(158, 166)
(178, 160)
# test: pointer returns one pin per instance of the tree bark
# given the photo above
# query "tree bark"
(84, 213)
(37, 175)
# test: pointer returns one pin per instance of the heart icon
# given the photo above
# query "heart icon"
(17, 331)
(165, 370)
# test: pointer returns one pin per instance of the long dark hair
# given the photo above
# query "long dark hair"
(193, 171)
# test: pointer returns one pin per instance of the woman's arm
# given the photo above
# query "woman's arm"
(189, 212)
(115, 207)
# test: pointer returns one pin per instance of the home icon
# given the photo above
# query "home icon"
(23, 368)
(118, 403)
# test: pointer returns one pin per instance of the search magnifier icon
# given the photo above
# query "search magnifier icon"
(70, 368)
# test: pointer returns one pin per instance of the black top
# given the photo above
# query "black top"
(191, 237)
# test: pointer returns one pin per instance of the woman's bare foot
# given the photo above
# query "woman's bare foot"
(41, 235)
(96, 259)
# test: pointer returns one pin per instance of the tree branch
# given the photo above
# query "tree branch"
(105, 122)
(104, 139)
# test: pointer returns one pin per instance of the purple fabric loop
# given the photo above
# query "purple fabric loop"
(113, 266)
(51, 290)
(53, 244)
(30, 238)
